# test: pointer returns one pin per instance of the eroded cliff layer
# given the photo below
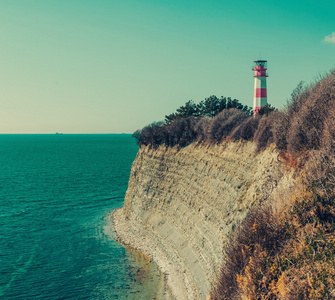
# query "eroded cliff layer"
(181, 205)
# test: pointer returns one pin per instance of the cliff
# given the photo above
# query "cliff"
(182, 205)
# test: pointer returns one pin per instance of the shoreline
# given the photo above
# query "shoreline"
(148, 280)
(148, 276)
(175, 282)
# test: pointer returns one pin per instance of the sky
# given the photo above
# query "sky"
(106, 66)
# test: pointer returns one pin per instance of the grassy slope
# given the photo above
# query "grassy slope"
(289, 253)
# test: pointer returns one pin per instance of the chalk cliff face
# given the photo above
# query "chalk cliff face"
(182, 205)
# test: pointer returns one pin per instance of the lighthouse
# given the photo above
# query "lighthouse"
(260, 96)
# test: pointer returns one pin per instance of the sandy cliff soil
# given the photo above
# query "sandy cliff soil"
(181, 205)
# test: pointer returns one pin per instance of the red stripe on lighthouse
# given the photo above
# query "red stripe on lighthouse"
(260, 93)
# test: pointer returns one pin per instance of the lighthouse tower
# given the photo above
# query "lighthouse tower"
(260, 97)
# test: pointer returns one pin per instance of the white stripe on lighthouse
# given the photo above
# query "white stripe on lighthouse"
(260, 82)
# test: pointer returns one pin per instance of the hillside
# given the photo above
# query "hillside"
(234, 218)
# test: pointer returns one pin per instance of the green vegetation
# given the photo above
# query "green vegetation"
(266, 110)
(209, 107)
(212, 120)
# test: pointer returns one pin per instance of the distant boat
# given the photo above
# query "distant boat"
(59, 133)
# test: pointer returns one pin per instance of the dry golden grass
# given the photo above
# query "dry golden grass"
(287, 253)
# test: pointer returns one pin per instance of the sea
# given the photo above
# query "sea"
(56, 239)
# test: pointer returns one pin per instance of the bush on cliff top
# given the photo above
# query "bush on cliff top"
(212, 120)
(305, 123)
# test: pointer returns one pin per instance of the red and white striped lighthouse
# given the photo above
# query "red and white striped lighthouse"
(260, 96)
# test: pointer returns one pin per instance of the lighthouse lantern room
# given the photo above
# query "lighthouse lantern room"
(260, 94)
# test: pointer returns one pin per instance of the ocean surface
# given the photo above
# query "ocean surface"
(56, 241)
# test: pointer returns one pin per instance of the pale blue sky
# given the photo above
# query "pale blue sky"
(95, 66)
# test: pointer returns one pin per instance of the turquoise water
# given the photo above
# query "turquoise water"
(56, 242)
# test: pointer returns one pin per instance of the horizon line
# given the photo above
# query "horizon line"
(62, 133)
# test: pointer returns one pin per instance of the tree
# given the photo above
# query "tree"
(210, 107)
(266, 110)
(190, 109)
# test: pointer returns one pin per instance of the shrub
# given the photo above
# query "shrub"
(263, 134)
(258, 238)
(235, 133)
(302, 123)
(224, 123)
(191, 122)
(202, 128)
(248, 128)
(280, 129)
(306, 123)
(287, 254)
(328, 135)
(182, 132)
(151, 134)
(284, 117)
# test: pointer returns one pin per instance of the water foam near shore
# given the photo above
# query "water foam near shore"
(149, 281)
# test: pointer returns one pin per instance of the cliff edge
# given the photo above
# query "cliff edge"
(182, 205)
